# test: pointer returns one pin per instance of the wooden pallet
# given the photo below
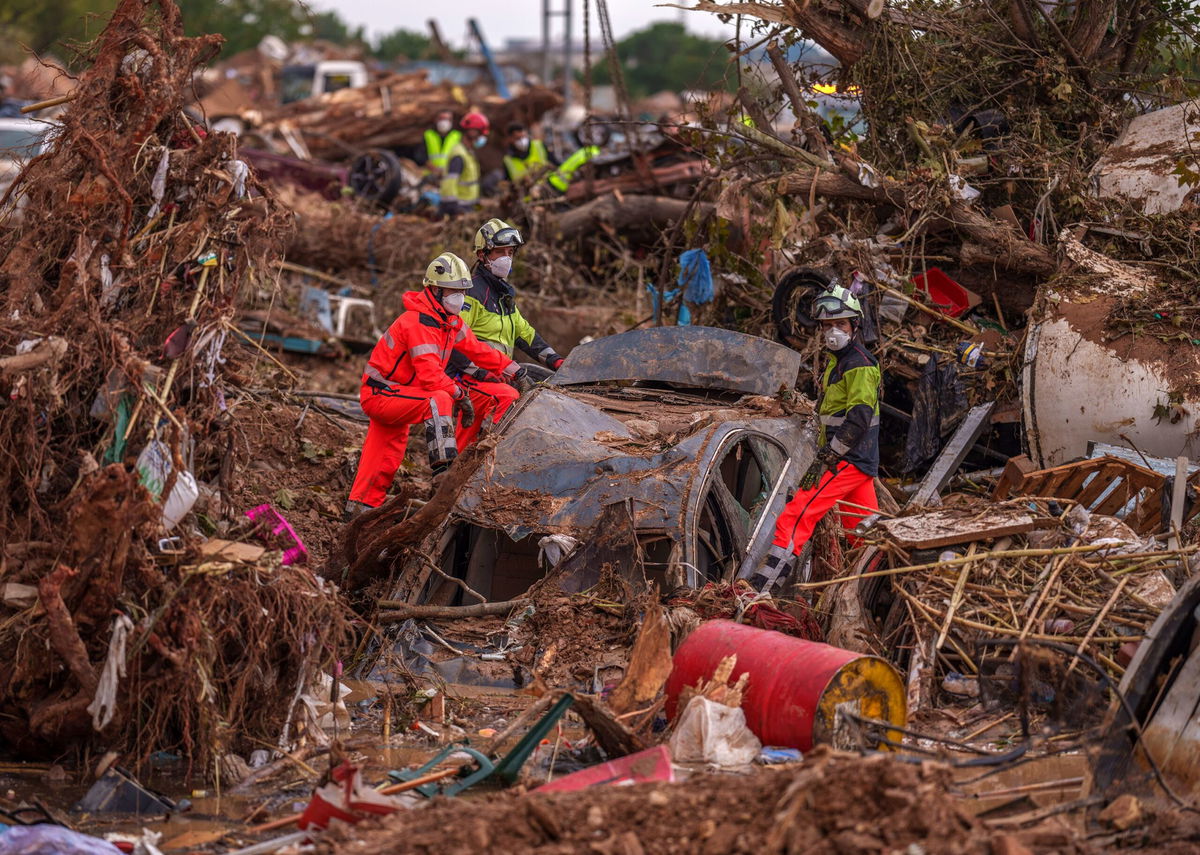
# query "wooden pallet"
(1103, 485)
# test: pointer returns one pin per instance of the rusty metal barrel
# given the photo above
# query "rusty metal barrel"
(796, 687)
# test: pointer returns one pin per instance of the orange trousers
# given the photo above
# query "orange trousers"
(392, 413)
(800, 516)
(491, 400)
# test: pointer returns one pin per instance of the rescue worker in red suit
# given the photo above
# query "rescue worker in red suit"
(405, 382)
(843, 473)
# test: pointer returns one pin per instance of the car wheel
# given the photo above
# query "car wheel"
(792, 302)
(376, 175)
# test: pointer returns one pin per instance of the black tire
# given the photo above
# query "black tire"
(376, 175)
(792, 302)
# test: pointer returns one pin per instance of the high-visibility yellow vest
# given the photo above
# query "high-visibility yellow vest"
(534, 159)
(565, 174)
(463, 188)
(437, 147)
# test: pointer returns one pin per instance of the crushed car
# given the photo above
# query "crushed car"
(666, 452)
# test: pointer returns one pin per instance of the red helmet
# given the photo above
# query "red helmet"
(475, 121)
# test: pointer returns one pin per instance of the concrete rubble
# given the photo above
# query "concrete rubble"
(555, 645)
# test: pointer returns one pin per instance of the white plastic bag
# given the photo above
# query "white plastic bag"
(713, 733)
(153, 468)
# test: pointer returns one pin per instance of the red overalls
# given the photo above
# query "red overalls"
(406, 383)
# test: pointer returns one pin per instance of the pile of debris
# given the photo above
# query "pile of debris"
(140, 236)
(393, 111)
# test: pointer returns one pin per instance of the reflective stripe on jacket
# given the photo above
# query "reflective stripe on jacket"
(461, 183)
(561, 178)
(535, 159)
(849, 406)
(437, 147)
(417, 346)
(491, 312)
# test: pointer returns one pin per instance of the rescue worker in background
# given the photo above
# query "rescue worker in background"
(492, 314)
(405, 382)
(526, 156)
(591, 139)
(847, 458)
(439, 140)
(460, 184)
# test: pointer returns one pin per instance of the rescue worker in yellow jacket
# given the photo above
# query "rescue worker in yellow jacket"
(460, 184)
(490, 310)
(591, 139)
(439, 140)
(526, 155)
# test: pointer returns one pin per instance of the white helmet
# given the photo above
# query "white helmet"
(448, 271)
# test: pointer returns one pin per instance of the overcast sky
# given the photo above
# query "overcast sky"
(504, 19)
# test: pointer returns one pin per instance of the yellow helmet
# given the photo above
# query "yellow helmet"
(495, 232)
(448, 271)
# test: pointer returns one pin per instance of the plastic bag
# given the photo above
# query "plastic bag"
(51, 840)
(713, 733)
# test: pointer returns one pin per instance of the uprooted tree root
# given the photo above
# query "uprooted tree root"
(136, 229)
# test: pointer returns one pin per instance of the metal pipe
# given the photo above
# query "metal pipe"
(567, 54)
(546, 42)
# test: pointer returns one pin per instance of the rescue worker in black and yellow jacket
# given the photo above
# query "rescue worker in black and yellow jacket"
(843, 473)
(591, 138)
(492, 314)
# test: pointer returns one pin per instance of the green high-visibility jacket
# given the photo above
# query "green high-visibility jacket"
(490, 310)
(461, 182)
(438, 148)
(535, 160)
(849, 406)
(561, 178)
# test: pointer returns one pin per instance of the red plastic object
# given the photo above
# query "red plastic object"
(345, 798)
(653, 764)
(796, 687)
(946, 295)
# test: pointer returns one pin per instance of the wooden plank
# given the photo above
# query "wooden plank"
(948, 527)
(1121, 495)
(1071, 487)
(1053, 482)
(1178, 496)
(1097, 486)
(1168, 737)
(1013, 479)
(952, 456)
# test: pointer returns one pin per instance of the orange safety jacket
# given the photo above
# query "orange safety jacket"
(416, 347)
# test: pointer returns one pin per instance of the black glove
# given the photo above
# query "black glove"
(523, 381)
(826, 459)
(464, 408)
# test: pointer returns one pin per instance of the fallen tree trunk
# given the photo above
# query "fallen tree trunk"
(624, 214)
(398, 611)
(387, 528)
(997, 242)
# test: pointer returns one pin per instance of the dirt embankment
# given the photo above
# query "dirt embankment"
(832, 804)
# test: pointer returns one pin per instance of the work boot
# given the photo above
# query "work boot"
(353, 509)
(440, 439)
(778, 566)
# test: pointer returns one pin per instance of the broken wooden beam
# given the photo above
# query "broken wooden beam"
(953, 455)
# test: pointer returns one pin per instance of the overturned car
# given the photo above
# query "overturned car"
(665, 453)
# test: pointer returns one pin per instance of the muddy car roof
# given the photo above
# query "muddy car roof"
(697, 357)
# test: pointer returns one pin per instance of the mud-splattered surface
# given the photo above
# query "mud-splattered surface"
(828, 805)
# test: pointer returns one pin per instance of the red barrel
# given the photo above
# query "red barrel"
(795, 686)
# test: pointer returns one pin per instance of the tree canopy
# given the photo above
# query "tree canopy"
(665, 56)
(54, 25)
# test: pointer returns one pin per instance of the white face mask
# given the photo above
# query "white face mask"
(480, 142)
(443, 126)
(453, 301)
(501, 266)
(835, 339)
(522, 144)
